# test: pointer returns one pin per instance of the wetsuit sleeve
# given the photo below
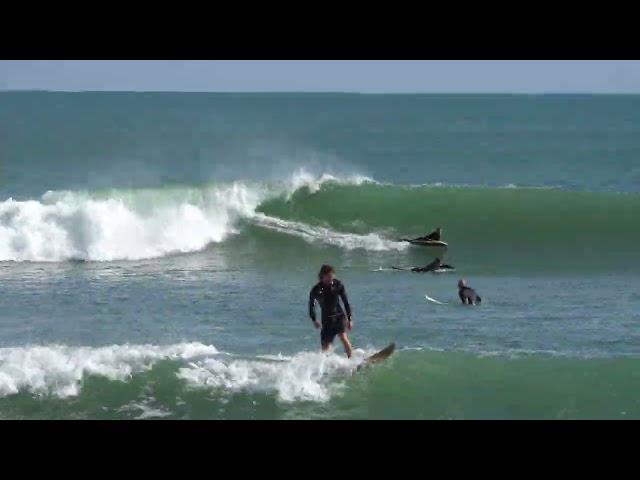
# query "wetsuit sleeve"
(345, 300)
(461, 296)
(312, 305)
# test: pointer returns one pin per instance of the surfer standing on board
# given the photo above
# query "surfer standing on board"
(328, 292)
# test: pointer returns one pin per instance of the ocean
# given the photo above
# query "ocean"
(157, 251)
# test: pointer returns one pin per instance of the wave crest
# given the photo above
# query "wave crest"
(146, 223)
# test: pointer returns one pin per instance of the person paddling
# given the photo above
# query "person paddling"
(436, 235)
(431, 267)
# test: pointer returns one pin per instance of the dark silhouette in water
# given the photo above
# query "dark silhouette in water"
(431, 267)
(435, 235)
(467, 294)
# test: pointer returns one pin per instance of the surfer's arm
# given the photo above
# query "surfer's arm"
(312, 305)
(345, 302)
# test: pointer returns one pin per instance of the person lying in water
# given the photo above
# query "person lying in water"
(334, 322)
(467, 294)
(435, 235)
(431, 267)
(435, 265)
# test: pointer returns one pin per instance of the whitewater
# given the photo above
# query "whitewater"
(143, 224)
(59, 371)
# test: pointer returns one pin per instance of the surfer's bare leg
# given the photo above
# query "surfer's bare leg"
(346, 344)
(325, 346)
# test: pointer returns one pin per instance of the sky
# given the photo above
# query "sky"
(363, 76)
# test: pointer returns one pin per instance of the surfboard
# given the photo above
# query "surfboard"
(379, 356)
(428, 243)
(433, 300)
(443, 270)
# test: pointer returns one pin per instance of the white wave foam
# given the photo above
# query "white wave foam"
(67, 225)
(274, 358)
(316, 234)
(145, 410)
(58, 370)
(139, 224)
(304, 377)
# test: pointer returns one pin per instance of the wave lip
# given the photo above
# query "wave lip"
(304, 179)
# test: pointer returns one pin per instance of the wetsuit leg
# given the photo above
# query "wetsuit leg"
(332, 326)
(469, 296)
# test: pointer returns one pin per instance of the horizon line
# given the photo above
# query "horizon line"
(311, 92)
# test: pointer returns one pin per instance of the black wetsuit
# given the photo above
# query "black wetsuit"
(469, 296)
(334, 320)
(432, 236)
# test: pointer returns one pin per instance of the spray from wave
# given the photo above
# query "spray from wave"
(140, 224)
(303, 179)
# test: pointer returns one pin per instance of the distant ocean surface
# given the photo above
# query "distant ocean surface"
(157, 250)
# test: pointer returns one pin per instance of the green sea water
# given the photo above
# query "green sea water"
(157, 250)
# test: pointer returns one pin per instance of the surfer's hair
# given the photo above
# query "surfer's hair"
(325, 270)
